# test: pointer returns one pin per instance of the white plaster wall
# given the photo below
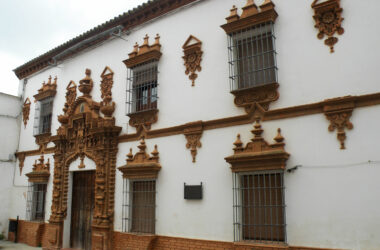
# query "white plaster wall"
(10, 108)
(326, 207)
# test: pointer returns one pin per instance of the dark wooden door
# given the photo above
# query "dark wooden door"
(81, 209)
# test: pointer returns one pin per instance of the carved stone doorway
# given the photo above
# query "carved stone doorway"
(82, 208)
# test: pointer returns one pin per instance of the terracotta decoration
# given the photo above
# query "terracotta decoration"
(328, 20)
(269, 115)
(339, 114)
(84, 134)
(192, 50)
(71, 95)
(107, 106)
(48, 89)
(21, 159)
(144, 53)
(25, 111)
(251, 16)
(193, 133)
(258, 154)
(142, 121)
(262, 95)
(141, 165)
(42, 140)
(41, 171)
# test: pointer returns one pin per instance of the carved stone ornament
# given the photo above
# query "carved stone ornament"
(192, 50)
(144, 53)
(193, 133)
(86, 84)
(42, 141)
(263, 95)
(142, 121)
(328, 20)
(21, 159)
(71, 95)
(48, 89)
(339, 113)
(258, 154)
(85, 134)
(26, 111)
(41, 171)
(107, 106)
(141, 165)
(251, 16)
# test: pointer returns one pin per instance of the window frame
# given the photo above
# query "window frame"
(256, 61)
(129, 207)
(142, 94)
(41, 126)
(240, 218)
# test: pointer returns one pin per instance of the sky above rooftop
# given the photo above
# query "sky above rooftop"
(30, 28)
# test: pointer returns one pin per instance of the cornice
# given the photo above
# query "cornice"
(128, 20)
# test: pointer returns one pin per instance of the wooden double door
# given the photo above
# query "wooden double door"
(82, 209)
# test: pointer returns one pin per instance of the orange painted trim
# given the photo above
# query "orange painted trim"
(276, 114)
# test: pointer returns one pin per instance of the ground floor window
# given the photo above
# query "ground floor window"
(259, 206)
(35, 209)
(139, 206)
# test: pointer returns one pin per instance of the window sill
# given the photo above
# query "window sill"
(262, 245)
(262, 94)
(143, 119)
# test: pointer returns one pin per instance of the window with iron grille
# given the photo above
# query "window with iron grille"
(43, 116)
(35, 207)
(252, 57)
(142, 87)
(139, 206)
(259, 207)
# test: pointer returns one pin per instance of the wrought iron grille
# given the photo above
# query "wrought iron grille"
(142, 87)
(35, 207)
(252, 57)
(259, 207)
(139, 206)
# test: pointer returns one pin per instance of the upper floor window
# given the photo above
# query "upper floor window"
(142, 87)
(252, 56)
(43, 116)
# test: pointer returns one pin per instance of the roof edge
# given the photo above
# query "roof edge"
(139, 15)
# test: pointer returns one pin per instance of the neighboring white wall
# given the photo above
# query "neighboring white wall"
(10, 119)
(326, 207)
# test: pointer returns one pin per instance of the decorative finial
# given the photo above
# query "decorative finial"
(88, 72)
(146, 40)
(233, 15)
(257, 131)
(157, 39)
(142, 145)
(55, 80)
(135, 48)
(267, 5)
(155, 152)
(249, 9)
(130, 154)
(279, 138)
(238, 143)
(49, 81)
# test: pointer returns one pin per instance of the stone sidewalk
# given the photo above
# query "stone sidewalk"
(7, 245)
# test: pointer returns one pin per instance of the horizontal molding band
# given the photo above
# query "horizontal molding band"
(270, 115)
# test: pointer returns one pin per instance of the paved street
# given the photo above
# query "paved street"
(7, 245)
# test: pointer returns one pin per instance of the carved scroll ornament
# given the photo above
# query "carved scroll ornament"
(339, 114)
(193, 133)
(258, 154)
(48, 89)
(71, 95)
(141, 165)
(192, 50)
(107, 106)
(26, 111)
(21, 159)
(328, 20)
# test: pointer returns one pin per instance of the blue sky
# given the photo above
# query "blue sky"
(30, 28)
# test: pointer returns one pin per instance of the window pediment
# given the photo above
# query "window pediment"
(41, 171)
(258, 154)
(141, 165)
(48, 89)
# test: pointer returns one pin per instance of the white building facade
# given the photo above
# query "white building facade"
(211, 94)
